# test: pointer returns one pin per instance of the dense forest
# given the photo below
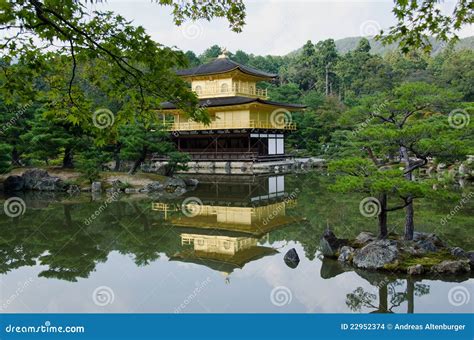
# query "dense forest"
(334, 86)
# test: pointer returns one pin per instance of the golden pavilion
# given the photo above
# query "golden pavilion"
(245, 125)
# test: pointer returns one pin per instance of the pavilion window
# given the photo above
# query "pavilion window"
(224, 88)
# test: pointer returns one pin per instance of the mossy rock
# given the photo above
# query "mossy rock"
(427, 260)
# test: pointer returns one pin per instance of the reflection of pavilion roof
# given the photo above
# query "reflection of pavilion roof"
(223, 262)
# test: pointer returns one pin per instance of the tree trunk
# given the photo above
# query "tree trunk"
(383, 298)
(67, 215)
(327, 79)
(16, 157)
(409, 219)
(410, 296)
(68, 158)
(383, 231)
(409, 210)
(117, 149)
(138, 162)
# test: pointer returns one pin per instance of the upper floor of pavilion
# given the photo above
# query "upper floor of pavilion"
(223, 77)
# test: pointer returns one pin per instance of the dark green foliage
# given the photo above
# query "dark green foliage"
(177, 161)
(90, 163)
(5, 160)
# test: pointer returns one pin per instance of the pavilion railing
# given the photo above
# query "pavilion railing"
(237, 89)
(221, 156)
(217, 125)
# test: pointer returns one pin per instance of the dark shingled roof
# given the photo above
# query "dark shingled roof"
(222, 65)
(226, 101)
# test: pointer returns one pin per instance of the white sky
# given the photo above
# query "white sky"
(274, 27)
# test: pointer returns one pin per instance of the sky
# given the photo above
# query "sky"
(274, 27)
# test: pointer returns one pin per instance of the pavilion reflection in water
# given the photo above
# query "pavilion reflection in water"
(225, 223)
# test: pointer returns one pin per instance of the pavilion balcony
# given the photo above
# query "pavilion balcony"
(217, 125)
(223, 156)
(237, 89)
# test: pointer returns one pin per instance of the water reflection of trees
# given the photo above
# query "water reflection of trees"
(389, 297)
(389, 291)
(56, 236)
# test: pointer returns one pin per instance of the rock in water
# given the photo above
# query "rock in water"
(291, 258)
(365, 237)
(346, 254)
(470, 256)
(427, 245)
(452, 267)
(191, 182)
(330, 244)
(14, 183)
(38, 179)
(376, 254)
(173, 184)
(458, 252)
(417, 269)
(154, 187)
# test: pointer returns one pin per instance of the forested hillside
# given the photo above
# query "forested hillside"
(348, 44)
(335, 86)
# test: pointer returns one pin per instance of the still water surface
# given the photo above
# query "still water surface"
(144, 254)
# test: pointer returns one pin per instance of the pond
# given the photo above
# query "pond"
(222, 253)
